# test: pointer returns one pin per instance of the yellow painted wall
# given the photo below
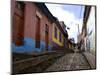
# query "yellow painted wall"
(56, 40)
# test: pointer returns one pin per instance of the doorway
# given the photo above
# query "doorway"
(37, 45)
(18, 24)
(46, 36)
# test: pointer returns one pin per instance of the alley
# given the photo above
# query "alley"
(45, 41)
(55, 62)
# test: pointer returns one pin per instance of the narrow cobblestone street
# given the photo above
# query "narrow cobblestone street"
(45, 41)
(72, 61)
(56, 62)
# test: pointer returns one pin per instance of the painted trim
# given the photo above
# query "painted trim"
(56, 40)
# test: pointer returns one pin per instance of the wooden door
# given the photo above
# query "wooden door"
(18, 24)
(37, 45)
(46, 36)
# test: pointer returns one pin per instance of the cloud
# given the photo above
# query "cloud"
(59, 12)
(68, 17)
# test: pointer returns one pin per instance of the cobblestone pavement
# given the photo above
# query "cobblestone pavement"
(72, 61)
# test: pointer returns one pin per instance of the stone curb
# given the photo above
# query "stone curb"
(90, 59)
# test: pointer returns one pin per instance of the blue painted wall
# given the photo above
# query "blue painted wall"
(29, 46)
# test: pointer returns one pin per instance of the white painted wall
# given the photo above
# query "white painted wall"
(91, 26)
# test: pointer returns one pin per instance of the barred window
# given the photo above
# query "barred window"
(55, 31)
(46, 28)
(60, 36)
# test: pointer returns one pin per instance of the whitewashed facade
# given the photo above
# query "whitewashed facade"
(91, 23)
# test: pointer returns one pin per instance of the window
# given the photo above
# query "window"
(55, 31)
(46, 28)
(60, 37)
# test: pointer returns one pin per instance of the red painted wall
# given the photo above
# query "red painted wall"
(30, 22)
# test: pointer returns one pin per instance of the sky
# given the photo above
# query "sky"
(72, 15)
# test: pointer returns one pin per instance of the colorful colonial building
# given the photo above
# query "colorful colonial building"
(35, 29)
